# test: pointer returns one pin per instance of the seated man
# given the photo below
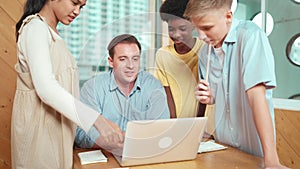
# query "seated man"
(125, 93)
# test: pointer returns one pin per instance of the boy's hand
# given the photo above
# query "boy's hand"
(203, 93)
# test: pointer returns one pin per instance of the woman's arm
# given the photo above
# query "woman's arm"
(35, 46)
(35, 42)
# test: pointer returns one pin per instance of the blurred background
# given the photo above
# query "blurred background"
(100, 20)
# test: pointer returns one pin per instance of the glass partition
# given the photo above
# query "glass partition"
(283, 39)
(100, 20)
(293, 50)
(285, 45)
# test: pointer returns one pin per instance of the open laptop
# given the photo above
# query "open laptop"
(164, 140)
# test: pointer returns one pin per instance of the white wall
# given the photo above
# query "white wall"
(286, 15)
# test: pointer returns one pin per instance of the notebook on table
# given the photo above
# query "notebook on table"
(164, 140)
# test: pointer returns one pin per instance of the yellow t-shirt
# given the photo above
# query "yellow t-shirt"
(180, 73)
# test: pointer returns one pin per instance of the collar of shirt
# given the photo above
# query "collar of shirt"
(113, 84)
(232, 34)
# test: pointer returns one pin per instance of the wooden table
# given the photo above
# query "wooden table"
(231, 158)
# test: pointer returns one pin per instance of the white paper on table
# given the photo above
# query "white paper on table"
(91, 157)
(210, 146)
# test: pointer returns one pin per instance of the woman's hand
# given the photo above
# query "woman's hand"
(111, 137)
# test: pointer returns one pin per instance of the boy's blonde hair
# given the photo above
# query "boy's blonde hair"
(198, 8)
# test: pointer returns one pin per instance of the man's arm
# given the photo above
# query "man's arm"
(263, 122)
(83, 140)
(171, 103)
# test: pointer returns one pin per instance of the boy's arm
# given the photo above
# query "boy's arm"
(171, 103)
(263, 122)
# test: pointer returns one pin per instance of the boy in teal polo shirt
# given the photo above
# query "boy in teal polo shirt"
(241, 77)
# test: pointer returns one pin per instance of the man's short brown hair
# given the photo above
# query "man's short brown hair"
(123, 38)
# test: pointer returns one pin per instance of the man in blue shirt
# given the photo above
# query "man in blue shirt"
(123, 94)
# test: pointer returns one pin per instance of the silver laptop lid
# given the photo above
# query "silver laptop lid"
(155, 141)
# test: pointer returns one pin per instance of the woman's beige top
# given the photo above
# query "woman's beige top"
(45, 112)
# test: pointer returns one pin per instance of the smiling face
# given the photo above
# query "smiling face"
(67, 10)
(125, 63)
(213, 26)
(180, 31)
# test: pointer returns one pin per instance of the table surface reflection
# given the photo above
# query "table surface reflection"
(228, 158)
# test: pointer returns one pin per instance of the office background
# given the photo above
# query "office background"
(100, 20)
